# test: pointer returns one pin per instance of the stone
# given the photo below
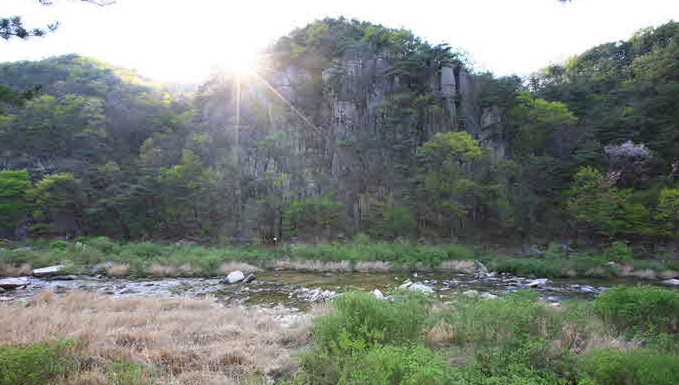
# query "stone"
(13, 283)
(480, 268)
(538, 282)
(25, 248)
(2, 290)
(378, 294)
(420, 287)
(588, 289)
(471, 293)
(671, 282)
(3, 299)
(64, 278)
(48, 271)
(313, 295)
(405, 284)
(235, 277)
(249, 278)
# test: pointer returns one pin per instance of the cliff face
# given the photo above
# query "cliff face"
(367, 115)
(371, 117)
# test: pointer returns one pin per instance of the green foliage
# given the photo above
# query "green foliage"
(313, 215)
(597, 204)
(499, 322)
(389, 219)
(14, 204)
(365, 340)
(34, 364)
(580, 265)
(554, 251)
(639, 310)
(535, 121)
(391, 365)
(632, 367)
(361, 320)
(668, 212)
(618, 252)
(400, 253)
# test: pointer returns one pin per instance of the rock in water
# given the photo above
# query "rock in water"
(488, 296)
(13, 283)
(671, 282)
(378, 294)
(480, 268)
(64, 278)
(422, 288)
(47, 271)
(235, 277)
(249, 278)
(2, 290)
(538, 282)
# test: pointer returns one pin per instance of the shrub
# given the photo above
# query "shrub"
(631, 367)
(554, 251)
(391, 365)
(33, 364)
(59, 244)
(641, 309)
(364, 319)
(618, 252)
(497, 322)
(103, 244)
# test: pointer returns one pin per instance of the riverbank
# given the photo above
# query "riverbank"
(625, 336)
(104, 256)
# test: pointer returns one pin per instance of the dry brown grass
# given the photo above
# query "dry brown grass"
(669, 274)
(311, 265)
(16, 271)
(186, 341)
(455, 266)
(645, 274)
(118, 270)
(227, 267)
(439, 334)
(372, 266)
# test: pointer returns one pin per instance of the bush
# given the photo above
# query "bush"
(59, 245)
(365, 320)
(103, 244)
(33, 364)
(630, 367)
(641, 309)
(494, 323)
(618, 252)
(391, 365)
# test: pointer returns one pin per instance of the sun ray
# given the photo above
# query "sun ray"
(295, 110)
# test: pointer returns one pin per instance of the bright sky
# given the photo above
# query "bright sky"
(183, 40)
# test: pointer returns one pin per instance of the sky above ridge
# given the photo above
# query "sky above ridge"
(184, 40)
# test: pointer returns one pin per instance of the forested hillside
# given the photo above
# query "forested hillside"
(349, 127)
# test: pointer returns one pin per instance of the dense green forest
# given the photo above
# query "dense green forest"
(350, 127)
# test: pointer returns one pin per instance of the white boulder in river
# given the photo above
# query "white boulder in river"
(378, 294)
(538, 282)
(235, 277)
(671, 282)
(422, 288)
(47, 271)
(13, 283)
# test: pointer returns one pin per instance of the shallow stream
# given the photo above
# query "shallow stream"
(298, 290)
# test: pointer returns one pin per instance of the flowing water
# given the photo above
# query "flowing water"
(298, 290)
